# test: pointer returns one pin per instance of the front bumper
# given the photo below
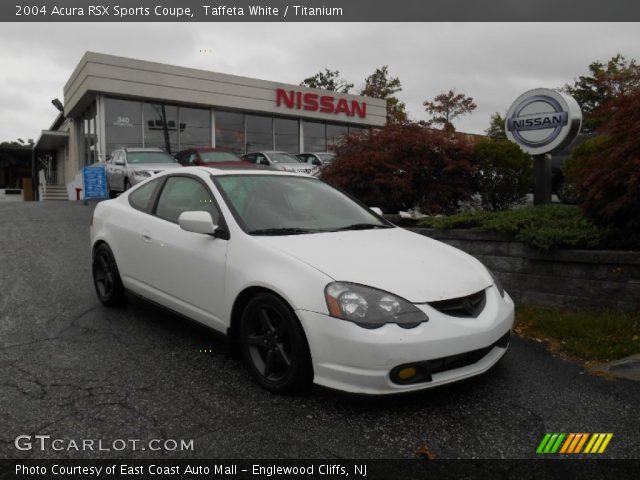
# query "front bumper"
(350, 358)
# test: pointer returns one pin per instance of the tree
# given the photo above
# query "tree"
(445, 107)
(328, 80)
(380, 85)
(606, 168)
(496, 127)
(604, 82)
(403, 166)
(504, 173)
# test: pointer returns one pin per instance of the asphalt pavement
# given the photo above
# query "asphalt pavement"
(73, 369)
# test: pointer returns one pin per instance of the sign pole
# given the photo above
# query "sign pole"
(542, 179)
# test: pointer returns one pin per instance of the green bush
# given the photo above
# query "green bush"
(543, 227)
(505, 173)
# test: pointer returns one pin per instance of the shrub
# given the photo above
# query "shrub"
(404, 166)
(505, 173)
(543, 227)
(606, 170)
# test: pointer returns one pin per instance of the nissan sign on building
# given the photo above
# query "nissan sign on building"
(543, 120)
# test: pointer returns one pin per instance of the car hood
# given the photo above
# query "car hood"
(154, 167)
(407, 264)
(296, 167)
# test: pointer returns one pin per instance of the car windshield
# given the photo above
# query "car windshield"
(149, 157)
(282, 157)
(288, 205)
(215, 157)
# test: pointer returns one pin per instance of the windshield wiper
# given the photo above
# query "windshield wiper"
(362, 226)
(281, 231)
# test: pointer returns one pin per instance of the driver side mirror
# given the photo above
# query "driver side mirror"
(377, 210)
(197, 222)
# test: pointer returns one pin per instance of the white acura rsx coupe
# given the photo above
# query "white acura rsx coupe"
(310, 285)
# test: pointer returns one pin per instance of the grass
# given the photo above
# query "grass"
(591, 336)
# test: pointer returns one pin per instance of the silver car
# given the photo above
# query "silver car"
(129, 166)
(320, 159)
(281, 161)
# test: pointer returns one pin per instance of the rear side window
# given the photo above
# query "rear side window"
(184, 194)
(141, 197)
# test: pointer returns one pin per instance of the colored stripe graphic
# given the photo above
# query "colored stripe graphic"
(607, 439)
(573, 443)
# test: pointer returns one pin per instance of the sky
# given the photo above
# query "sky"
(492, 62)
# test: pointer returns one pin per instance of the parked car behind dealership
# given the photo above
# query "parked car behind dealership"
(281, 161)
(319, 159)
(129, 166)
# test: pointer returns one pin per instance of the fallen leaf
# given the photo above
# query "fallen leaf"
(424, 452)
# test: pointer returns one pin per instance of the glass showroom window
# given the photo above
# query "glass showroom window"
(358, 130)
(335, 134)
(315, 139)
(230, 131)
(287, 134)
(161, 126)
(195, 127)
(88, 139)
(123, 124)
(259, 132)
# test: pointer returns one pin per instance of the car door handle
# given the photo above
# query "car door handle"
(146, 238)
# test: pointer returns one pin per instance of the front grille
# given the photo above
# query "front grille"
(469, 306)
(427, 368)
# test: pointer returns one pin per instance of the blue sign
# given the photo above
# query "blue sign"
(94, 179)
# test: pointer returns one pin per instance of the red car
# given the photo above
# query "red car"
(210, 157)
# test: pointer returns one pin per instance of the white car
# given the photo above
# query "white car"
(309, 284)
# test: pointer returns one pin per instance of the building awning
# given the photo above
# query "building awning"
(50, 140)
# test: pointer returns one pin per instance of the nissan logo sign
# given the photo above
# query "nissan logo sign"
(543, 120)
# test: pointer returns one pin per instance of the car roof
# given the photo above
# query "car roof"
(229, 170)
(141, 149)
(206, 149)
(270, 151)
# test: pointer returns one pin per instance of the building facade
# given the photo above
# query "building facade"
(112, 102)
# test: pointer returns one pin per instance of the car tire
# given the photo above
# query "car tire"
(106, 278)
(127, 184)
(274, 346)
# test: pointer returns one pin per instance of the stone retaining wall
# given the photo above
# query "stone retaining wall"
(563, 278)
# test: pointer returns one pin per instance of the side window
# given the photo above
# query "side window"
(140, 198)
(250, 157)
(261, 160)
(192, 158)
(184, 194)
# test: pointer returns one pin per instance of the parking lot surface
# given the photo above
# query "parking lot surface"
(73, 369)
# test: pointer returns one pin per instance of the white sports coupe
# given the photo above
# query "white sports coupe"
(310, 285)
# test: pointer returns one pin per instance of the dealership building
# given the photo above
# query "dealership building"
(112, 102)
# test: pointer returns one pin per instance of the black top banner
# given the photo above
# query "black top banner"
(320, 11)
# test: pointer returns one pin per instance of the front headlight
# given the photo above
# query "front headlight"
(369, 307)
(142, 174)
(497, 283)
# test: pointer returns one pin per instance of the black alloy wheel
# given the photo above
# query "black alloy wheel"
(274, 346)
(106, 278)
